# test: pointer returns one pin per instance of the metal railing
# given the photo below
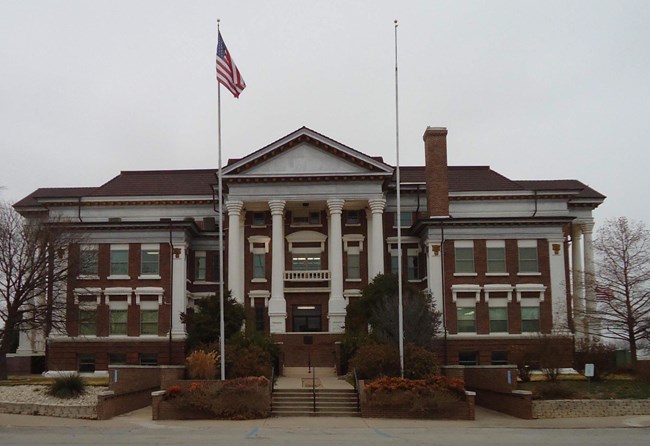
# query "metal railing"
(356, 389)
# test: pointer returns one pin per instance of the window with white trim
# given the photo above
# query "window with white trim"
(528, 262)
(530, 319)
(118, 322)
(353, 217)
(306, 262)
(149, 321)
(150, 260)
(354, 265)
(87, 321)
(412, 265)
(89, 260)
(466, 319)
(200, 266)
(119, 260)
(498, 319)
(259, 265)
(301, 217)
(496, 256)
(406, 219)
(464, 256)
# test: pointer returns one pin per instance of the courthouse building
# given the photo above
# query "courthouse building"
(308, 223)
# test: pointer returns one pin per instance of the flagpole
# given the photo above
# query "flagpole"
(399, 223)
(222, 330)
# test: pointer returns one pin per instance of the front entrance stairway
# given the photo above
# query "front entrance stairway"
(294, 394)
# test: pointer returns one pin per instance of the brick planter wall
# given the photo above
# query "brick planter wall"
(589, 408)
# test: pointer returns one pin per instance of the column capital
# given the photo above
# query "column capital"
(277, 206)
(587, 228)
(377, 205)
(234, 207)
(335, 206)
(576, 231)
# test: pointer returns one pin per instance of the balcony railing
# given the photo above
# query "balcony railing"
(307, 276)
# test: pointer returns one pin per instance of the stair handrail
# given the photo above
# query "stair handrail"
(356, 389)
(313, 386)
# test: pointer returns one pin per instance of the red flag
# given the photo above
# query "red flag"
(227, 73)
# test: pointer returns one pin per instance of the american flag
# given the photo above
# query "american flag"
(227, 73)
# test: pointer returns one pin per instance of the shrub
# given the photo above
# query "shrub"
(553, 391)
(173, 391)
(374, 360)
(69, 386)
(251, 360)
(419, 396)
(602, 356)
(202, 364)
(236, 399)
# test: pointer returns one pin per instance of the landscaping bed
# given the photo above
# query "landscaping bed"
(574, 389)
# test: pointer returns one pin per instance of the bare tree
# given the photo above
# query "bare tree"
(623, 282)
(34, 269)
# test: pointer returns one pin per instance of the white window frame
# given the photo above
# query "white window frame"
(200, 257)
(149, 247)
(255, 249)
(464, 244)
(89, 248)
(119, 247)
(527, 244)
(495, 244)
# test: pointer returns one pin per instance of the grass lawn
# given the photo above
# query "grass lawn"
(572, 389)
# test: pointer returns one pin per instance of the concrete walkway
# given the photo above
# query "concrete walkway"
(303, 378)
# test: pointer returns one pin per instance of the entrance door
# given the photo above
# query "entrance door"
(306, 318)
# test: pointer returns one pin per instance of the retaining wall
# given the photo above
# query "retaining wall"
(50, 410)
(589, 408)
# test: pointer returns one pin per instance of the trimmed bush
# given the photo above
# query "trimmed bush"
(69, 386)
(202, 364)
(375, 360)
(602, 356)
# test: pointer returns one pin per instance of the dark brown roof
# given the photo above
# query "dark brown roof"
(559, 185)
(54, 192)
(158, 183)
(464, 178)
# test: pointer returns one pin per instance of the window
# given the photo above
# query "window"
(412, 266)
(306, 262)
(86, 363)
(530, 319)
(354, 266)
(496, 257)
(119, 260)
(258, 219)
(148, 358)
(118, 319)
(87, 322)
(88, 260)
(117, 359)
(352, 218)
(306, 318)
(149, 260)
(199, 265)
(149, 322)
(499, 358)
(466, 317)
(498, 319)
(259, 318)
(217, 269)
(305, 218)
(528, 257)
(406, 219)
(464, 252)
(468, 358)
(259, 266)
(394, 264)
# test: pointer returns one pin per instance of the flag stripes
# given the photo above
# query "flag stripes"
(228, 74)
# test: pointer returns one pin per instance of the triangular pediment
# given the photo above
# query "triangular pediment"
(306, 154)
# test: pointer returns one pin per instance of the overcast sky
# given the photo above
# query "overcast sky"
(535, 89)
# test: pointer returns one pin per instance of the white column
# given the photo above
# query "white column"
(434, 273)
(370, 248)
(336, 311)
(235, 250)
(558, 288)
(277, 303)
(377, 238)
(590, 278)
(179, 294)
(578, 282)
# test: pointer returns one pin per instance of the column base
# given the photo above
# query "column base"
(278, 322)
(336, 323)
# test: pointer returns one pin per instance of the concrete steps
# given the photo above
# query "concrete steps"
(305, 372)
(329, 403)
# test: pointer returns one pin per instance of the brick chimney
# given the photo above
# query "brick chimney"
(435, 169)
